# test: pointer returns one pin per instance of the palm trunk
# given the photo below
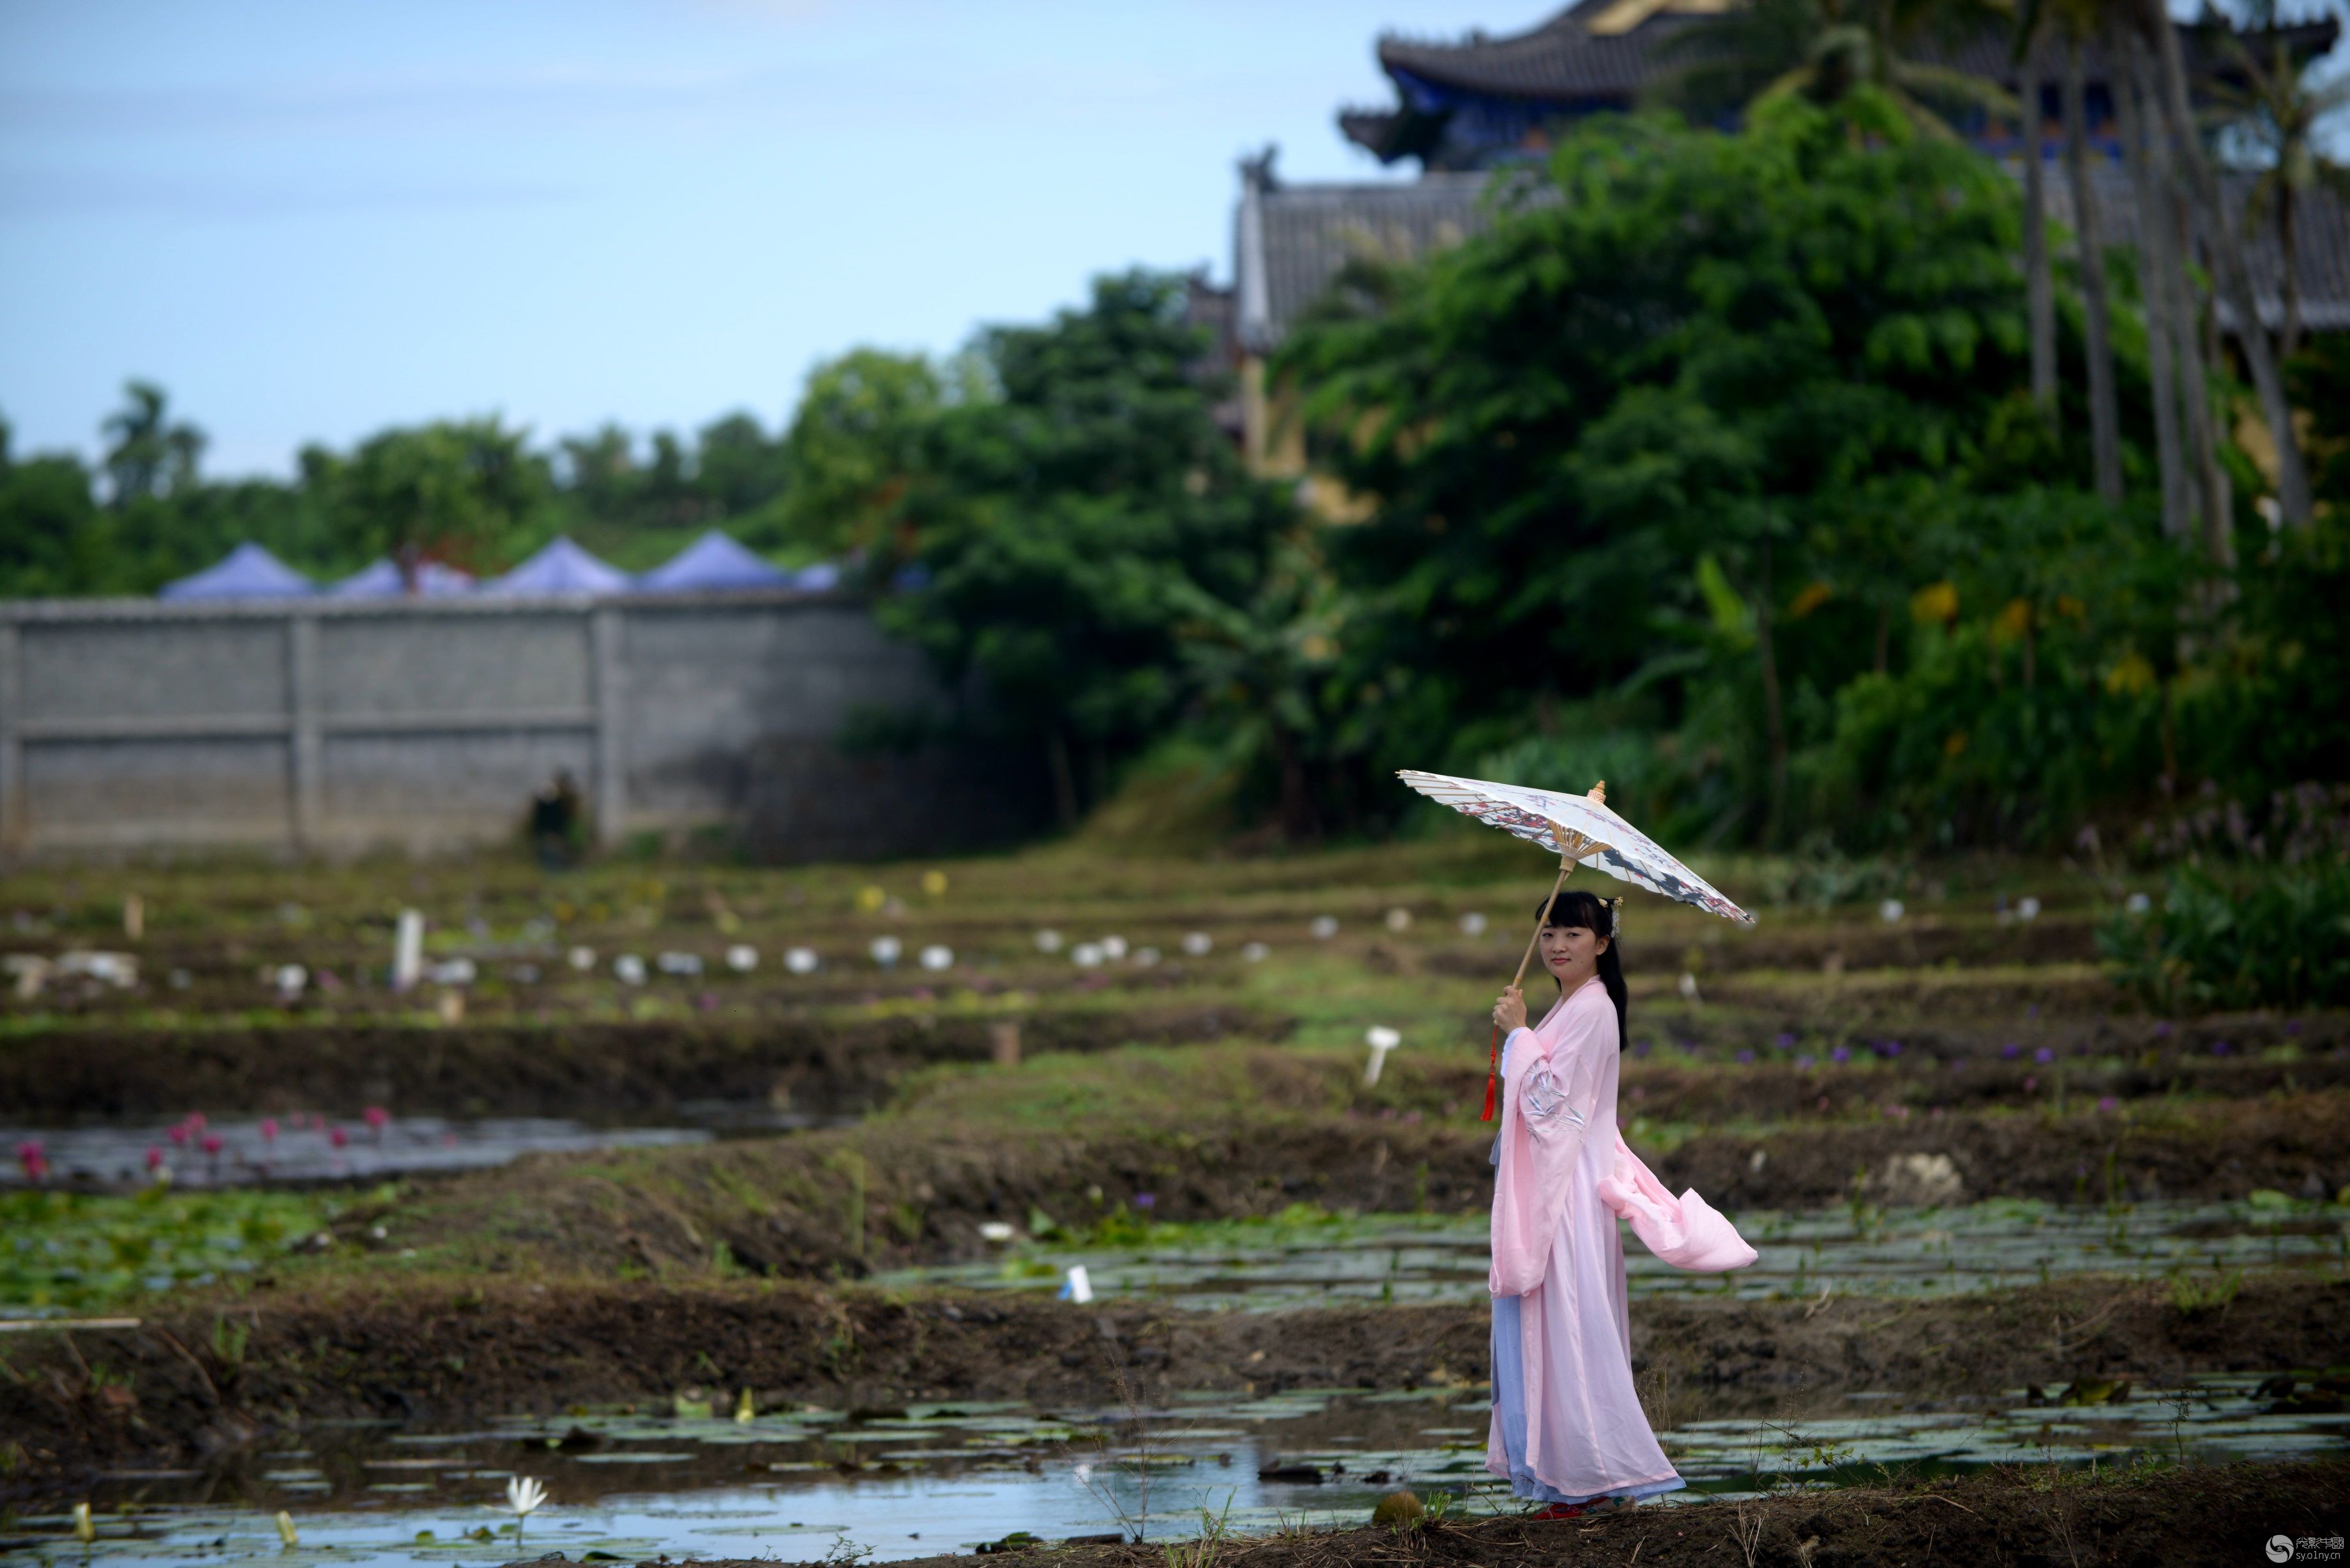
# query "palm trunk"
(2105, 405)
(2209, 498)
(2235, 282)
(2039, 289)
(2290, 343)
(2169, 455)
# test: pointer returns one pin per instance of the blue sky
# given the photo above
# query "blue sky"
(311, 220)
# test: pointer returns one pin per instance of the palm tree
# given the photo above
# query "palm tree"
(2105, 401)
(2178, 127)
(1822, 49)
(2277, 114)
(148, 454)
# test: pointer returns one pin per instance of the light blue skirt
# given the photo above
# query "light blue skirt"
(1510, 1406)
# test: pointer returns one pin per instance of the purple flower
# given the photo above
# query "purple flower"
(1889, 1048)
(2162, 1028)
(1746, 1055)
(1641, 1047)
(1146, 1199)
(2044, 1055)
(1787, 1042)
(1804, 1061)
(2106, 1102)
(1958, 1064)
(1841, 1054)
(2011, 1051)
(2292, 1026)
(2218, 1047)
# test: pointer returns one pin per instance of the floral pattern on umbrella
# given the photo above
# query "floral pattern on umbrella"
(1539, 815)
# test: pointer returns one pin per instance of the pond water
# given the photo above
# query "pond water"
(809, 1484)
(1318, 1259)
(296, 1150)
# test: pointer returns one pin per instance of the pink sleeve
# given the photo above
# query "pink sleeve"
(1548, 1100)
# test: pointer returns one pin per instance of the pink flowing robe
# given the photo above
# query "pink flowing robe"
(1562, 1177)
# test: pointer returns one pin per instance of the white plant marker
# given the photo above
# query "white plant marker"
(1049, 941)
(1079, 1286)
(629, 970)
(408, 950)
(1472, 924)
(582, 959)
(742, 958)
(1198, 944)
(1381, 1040)
(802, 961)
(936, 957)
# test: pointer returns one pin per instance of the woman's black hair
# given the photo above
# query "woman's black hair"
(1596, 915)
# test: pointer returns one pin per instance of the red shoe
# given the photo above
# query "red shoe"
(1563, 1511)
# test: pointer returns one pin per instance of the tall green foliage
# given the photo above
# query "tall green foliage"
(1071, 521)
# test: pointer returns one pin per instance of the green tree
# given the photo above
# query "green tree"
(1759, 351)
(452, 491)
(1072, 525)
(853, 449)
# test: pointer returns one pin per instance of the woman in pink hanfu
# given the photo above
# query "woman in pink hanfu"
(1567, 1427)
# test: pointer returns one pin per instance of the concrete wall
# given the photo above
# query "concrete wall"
(339, 727)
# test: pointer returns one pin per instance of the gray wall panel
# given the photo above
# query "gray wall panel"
(135, 670)
(478, 664)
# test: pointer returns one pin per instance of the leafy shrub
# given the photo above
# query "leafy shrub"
(2275, 936)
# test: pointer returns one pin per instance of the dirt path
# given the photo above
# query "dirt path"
(597, 1070)
(2221, 1515)
(195, 1380)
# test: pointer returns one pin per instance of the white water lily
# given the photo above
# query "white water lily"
(523, 1494)
(285, 1530)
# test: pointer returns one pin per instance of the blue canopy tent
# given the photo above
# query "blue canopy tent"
(247, 572)
(822, 578)
(561, 567)
(379, 579)
(713, 561)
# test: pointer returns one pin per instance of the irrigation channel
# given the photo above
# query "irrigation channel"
(921, 1479)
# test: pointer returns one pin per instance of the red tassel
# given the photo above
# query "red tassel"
(1493, 1073)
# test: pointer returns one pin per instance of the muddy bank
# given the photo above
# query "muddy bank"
(1664, 1089)
(2031, 1517)
(196, 1381)
(638, 1071)
(914, 1189)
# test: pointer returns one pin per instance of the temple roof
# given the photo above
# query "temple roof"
(1601, 54)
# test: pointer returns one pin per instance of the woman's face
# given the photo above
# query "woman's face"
(1571, 954)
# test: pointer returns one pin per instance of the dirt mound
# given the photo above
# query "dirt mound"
(914, 1189)
(595, 1070)
(205, 1378)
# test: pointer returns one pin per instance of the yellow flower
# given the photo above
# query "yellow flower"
(1814, 596)
(2013, 621)
(1935, 604)
(1954, 744)
(869, 898)
(934, 883)
(2130, 676)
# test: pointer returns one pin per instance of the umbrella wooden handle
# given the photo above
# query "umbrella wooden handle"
(1493, 1056)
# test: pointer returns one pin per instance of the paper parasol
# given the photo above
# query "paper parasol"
(1580, 830)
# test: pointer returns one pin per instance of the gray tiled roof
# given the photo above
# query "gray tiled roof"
(1293, 240)
(2321, 240)
(1560, 61)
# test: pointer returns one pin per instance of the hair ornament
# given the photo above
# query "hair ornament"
(1614, 915)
